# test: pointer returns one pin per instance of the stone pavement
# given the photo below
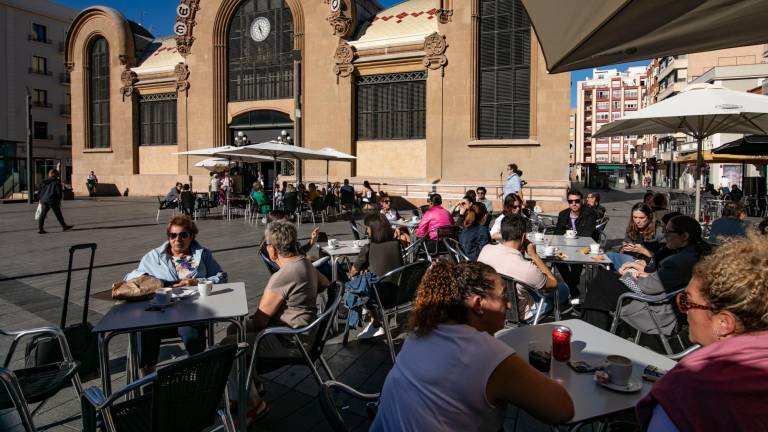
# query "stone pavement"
(33, 273)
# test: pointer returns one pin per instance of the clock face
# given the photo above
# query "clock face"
(335, 5)
(260, 28)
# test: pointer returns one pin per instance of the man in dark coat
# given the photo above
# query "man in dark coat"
(50, 195)
(583, 219)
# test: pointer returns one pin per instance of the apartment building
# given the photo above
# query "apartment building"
(32, 41)
(604, 97)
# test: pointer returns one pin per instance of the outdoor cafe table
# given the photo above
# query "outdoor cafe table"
(561, 240)
(590, 344)
(345, 248)
(411, 224)
(226, 303)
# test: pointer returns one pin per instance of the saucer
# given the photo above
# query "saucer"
(570, 238)
(632, 386)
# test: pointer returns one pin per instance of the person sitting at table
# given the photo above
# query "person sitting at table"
(721, 386)
(386, 208)
(641, 240)
(451, 373)
(380, 256)
(179, 262)
(660, 205)
(436, 216)
(648, 198)
(729, 225)
(593, 202)
(475, 234)
(671, 273)
(582, 220)
(172, 197)
(289, 300)
(262, 204)
(367, 196)
(461, 208)
(481, 192)
(187, 200)
(507, 258)
(735, 194)
(512, 206)
(290, 200)
(313, 193)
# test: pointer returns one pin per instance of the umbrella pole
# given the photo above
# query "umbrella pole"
(274, 181)
(327, 163)
(699, 162)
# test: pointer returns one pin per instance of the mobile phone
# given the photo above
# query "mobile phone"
(581, 366)
(322, 237)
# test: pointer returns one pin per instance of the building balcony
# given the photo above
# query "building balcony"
(64, 78)
(671, 66)
(33, 38)
(670, 90)
(41, 104)
(39, 71)
(65, 110)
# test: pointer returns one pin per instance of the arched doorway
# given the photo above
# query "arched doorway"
(260, 126)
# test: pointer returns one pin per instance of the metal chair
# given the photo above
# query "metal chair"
(660, 299)
(441, 233)
(186, 396)
(317, 207)
(416, 250)
(347, 200)
(513, 317)
(454, 247)
(329, 406)
(601, 224)
(357, 232)
(35, 385)
(272, 267)
(300, 355)
(394, 292)
(162, 205)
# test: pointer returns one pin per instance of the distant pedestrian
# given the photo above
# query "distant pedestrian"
(50, 195)
(90, 182)
(514, 184)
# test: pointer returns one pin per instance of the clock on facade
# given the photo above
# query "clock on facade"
(260, 28)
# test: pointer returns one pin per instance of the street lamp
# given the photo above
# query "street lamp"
(241, 139)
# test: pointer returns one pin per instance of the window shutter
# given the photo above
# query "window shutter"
(391, 106)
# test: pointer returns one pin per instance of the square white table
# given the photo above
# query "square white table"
(226, 303)
(591, 344)
(345, 248)
(561, 240)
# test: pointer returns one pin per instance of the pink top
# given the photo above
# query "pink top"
(435, 217)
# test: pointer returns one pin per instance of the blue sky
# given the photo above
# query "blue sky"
(158, 17)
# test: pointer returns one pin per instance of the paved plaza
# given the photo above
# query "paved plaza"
(33, 274)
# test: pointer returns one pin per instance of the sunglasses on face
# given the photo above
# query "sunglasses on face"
(684, 305)
(576, 201)
(183, 235)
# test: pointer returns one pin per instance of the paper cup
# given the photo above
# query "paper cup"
(594, 248)
(205, 288)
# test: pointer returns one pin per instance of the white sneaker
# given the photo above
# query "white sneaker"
(575, 302)
(370, 331)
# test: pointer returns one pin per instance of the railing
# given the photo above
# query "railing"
(10, 186)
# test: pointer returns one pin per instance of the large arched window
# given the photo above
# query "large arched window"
(98, 93)
(260, 45)
(504, 70)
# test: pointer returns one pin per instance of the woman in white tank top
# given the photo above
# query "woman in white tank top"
(451, 373)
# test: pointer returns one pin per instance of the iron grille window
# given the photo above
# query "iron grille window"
(391, 106)
(504, 70)
(98, 93)
(261, 70)
(157, 117)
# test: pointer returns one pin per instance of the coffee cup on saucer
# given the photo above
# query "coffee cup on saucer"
(571, 234)
(619, 369)
(333, 243)
(594, 248)
(549, 251)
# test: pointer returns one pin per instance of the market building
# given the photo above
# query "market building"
(426, 93)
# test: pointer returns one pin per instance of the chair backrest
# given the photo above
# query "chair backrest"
(193, 386)
(601, 224)
(357, 232)
(347, 197)
(454, 247)
(9, 383)
(448, 232)
(160, 203)
(290, 202)
(510, 283)
(334, 294)
(328, 404)
(399, 286)
(317, 204)
(271, 265)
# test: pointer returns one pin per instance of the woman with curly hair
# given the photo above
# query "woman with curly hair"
(727, 307)
(451, 373)
(640, 240)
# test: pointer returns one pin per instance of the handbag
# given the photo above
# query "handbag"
(136, 289)
(38, 212)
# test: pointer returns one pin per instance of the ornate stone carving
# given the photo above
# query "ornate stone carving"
(185, 24)
(128, 78)
(434, 51)
(69, 66)
(340, 23)
(181, 70)
(445, 12)
(123, 59)
(344, 56)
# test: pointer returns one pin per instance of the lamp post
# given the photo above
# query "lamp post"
(241, 139)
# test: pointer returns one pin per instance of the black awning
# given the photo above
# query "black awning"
(751, 145)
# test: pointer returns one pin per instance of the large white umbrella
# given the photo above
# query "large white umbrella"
(700, 111)
(579, 34)
(337, 156)
(214, 163)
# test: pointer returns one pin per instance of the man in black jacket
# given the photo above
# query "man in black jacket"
(582, 219)
(50, 195)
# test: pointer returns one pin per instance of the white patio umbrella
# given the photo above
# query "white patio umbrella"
(700, 111)
(214, 163)
(337, 156)
(590, 33)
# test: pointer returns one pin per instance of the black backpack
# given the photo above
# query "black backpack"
(45, 349)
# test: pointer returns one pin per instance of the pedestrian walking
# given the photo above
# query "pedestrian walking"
(50, 195)
(91, 183)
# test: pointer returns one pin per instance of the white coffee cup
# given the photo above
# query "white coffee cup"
(163, 296)
(570, 233)
(619, 369)
(538, 236)
(549, 251)
(356, 243)
(333, 243)
(594, 248)
(205, 288)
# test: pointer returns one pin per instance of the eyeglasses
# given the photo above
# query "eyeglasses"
(576, 201)
(184, 235)
(684, 305)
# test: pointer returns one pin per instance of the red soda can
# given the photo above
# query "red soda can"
(561, 343)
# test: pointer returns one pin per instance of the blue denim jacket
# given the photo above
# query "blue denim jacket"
(159, 264)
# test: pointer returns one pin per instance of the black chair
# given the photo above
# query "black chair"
(35, 385)
(394, 292)
(513, 319)
(163, 205)
(357, 232)
(290, 203)
(329, 407)
(347, 200)
(455, 249)
(299, 354)
(436, 247)
(272, 267)
(186, 396)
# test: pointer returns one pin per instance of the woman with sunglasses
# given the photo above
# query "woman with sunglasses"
(512, 205)
(667, 272)
(386, 208)
(179, 262)
(722, 385)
